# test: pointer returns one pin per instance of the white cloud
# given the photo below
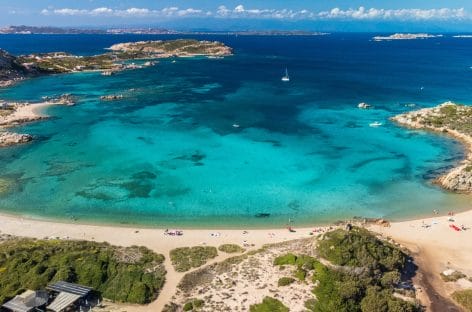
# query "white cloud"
(402, 14)
(240, 11)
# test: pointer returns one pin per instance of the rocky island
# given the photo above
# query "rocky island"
(399, 36)
(16, 68)
(170, 48)
(450, 119)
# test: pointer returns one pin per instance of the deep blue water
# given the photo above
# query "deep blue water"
(169, 154)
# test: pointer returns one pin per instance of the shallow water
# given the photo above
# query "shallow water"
(169, 153)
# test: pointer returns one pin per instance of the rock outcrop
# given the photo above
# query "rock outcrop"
(10, 138)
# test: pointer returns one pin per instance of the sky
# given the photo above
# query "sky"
(316, 15)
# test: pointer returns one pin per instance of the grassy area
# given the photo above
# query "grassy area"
(464, 298)
(269, 305)
(186, 258)
(231, 248)
(133, 274)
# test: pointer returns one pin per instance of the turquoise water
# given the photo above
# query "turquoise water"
(168, 153)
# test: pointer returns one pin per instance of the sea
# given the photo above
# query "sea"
(213, 143)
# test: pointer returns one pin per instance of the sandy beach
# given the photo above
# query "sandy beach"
(433, 243)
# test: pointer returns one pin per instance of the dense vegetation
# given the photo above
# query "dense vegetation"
(185, 258)
(231, 248)
(269, 305)
(359, 248)
(464, 297)
(133, 274)
(363, 278)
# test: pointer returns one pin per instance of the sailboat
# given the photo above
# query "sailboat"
(286, 78)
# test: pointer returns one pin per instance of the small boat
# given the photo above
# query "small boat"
(262, 215)
(236, 126)
(286, 77)
(375, 124)
(363, 105)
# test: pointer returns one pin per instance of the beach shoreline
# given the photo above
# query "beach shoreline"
(436, 247)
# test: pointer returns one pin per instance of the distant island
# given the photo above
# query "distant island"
(454, 120)
(47, 30)
(399, 36)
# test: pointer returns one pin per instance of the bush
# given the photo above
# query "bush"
(185, 258)
(269, 305)
(464, 298)
(284, 281)
(231, 248)
(133, 274)
(300, 274)
(288, 259)
(193, 304)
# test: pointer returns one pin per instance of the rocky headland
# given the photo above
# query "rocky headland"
(454, 120)
(16, 68)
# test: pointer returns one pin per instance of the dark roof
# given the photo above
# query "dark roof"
(27, 301)
(70, 288)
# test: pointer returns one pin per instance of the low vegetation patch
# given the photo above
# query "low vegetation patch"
(284, 281)
(464, 298)
(186, 258)
(231, 248)
(133, 274)
(269, 304)
(193, 304)
(455, 276)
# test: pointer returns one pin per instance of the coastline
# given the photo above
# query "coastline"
(459, 178)
(435, 248)
(23, 113)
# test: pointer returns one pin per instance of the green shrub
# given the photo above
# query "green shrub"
(133, 274)
(288, 259)
(300, 274)
(464, 298)
(231, 248)
(188, 306)
(193, 304)
(284, 281)
(185, 258)
(269, 305)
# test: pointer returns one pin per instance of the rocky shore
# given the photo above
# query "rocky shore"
(14, 114)
(453, 120)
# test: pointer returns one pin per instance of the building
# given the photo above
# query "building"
(27, 301)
